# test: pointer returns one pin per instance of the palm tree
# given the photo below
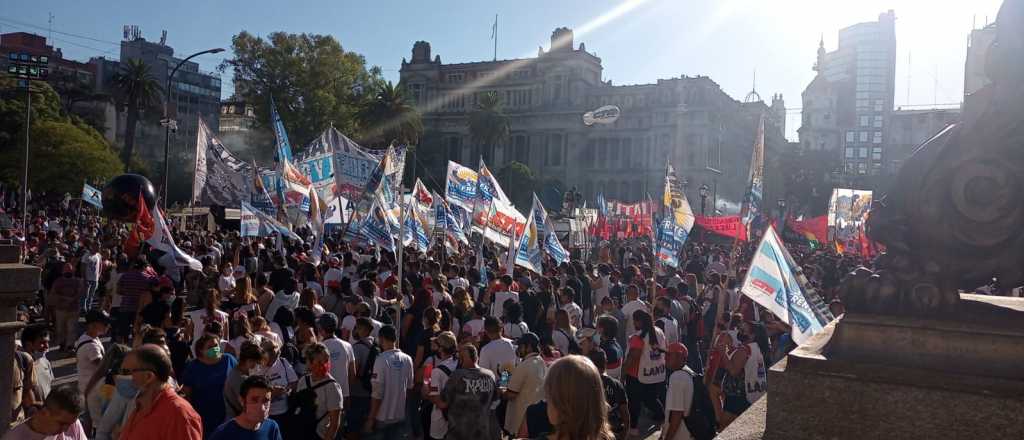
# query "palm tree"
(138, 90)
(389, 116)
(488, 124)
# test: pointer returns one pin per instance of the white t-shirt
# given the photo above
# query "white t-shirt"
(89, 353)
(459, 282)
(515, 331)
(652, 360)
(602, 292)
(438, 379)
(316, 288)
(575, 313)
(280, 374)
(678, 398)
(438, 296)
(199, 320)
(497, 308)
(671, 329)
(341, 358)
(474, 327)
(91, 265)
(226, 283)
(627, 311)
(561, 339)
(333, 276)
(392, 376)
(497, 354)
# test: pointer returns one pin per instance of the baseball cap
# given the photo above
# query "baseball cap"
(677, 347)
(445, 340)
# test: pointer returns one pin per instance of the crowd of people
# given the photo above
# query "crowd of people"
(264, 343)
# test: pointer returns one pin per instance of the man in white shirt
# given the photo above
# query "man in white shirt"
(444, 364)
(89, 349)
(499, 353)
(574, 311)
(680, 394)
(392, 379)
(497, 307)
(92, 263)
(342, 365)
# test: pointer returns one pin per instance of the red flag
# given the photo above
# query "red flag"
(142, 230)
(815, 229)
(729, 226)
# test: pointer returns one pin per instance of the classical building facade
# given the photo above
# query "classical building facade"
(686, 121)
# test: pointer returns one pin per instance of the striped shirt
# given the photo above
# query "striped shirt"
(131, 286)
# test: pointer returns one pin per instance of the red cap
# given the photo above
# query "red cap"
(677, 347)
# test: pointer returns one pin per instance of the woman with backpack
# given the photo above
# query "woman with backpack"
(645, 368)
(282, 378)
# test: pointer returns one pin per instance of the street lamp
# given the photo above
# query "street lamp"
(167, 122)
(703, 198)
(782, 209)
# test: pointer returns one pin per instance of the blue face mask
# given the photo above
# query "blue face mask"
(125, 386)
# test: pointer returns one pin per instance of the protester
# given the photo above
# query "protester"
(35, 340)
(159, 412)
(109, 393)
(576, 403)
(469, 393)
(327, 396)
(253, 422)
(645, 369)
(65, 301)
(614, 395)
(204, 378)
(89, 347)
(56, 420)
(525, 386)
(392, 379)
(497, 354)
(250, 357)
(441, 367)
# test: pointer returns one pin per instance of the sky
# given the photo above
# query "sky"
(638, 41)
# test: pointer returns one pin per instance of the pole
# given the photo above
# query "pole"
(495, 37)
(24, 176)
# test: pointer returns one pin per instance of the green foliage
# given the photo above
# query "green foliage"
(519, 184)
(138, 90)
(62, 156)
(312, 79)
(488, 124)
(45, 106)
(387, 116)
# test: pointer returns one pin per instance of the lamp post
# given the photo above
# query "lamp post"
(703, 198)
(782, 213)
(167, 122)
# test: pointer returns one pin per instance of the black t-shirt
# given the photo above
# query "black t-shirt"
(615, 395)
(155, 312)
(574, 284)
(586, 299)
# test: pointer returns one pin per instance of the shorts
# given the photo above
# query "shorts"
(735, 404)
(357, 413)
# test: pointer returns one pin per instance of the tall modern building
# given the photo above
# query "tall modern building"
(687, 121)
(977, 50)
(846, 108)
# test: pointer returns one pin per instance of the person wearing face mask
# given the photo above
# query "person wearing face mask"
(108, 409)
(35, 340)
(250, 356)
(328, 396)
(253, 423)
(57, 420)
(159, 413)
(743, 378)
(204, 378)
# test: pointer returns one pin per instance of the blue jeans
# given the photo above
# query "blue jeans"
(90, 295)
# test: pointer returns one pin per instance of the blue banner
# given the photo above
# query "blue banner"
(284, 148)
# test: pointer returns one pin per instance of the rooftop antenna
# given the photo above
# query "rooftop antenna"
(50, 27)
(753, 96)
(494, 36)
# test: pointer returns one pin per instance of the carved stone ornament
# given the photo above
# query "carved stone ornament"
(954, 218)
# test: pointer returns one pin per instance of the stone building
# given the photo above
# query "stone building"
(908, 129)
(686, 121)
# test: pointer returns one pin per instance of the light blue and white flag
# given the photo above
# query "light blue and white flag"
(416, 230)
(92, 196)
(378, 225)
(546, 229)
(774, 282)
(249, 222)
(670, 239)
(284, 148)
(528, 255)
(268, 225)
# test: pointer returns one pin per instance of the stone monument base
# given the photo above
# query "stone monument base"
(880, 377)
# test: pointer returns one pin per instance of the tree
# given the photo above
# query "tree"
(62, 156)
(45, 106)
(519, 184)
(488, 124)
(388, 117)
(137, 90)
(314, 82)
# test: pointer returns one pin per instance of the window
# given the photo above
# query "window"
(522, 151)
(602, 153)
(613, 151)
(849, 153)
(554, 150)
(456, 77)
(863, 136)
(588, 157)
(865, 121)
(877, 138)
(863, 153)
(851, 136)
(862, 168)
(878, 121)
(876, 153)
(455, 148)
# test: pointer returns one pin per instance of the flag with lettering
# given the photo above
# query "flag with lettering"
(460, 186)
(777, 283)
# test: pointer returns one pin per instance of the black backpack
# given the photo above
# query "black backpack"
(574, 347)
(701, 422)
(302, 408)
(366, 373)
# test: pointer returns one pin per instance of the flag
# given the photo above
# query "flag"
(152, 229)
(377, 227)
(293, 190)
(776, 283)
(283, 149)
(91, 196)
(416, 230)
(730, 226)
(267, 224)
(249, 223)
(317, 210)
(752, 200)
(487, 190)
(449, 225)
(353, 164)
(602, 206)
(259, 197)
(674, 200)
(220, 178)
(814, 229)
(141, 230)
(670, 239)
(528, 253)
(546, 229)
(460, 186)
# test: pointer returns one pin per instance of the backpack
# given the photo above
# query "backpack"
(427, 407)
(702, 421)
(366, 372)
(302, 408)
(574, 347)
